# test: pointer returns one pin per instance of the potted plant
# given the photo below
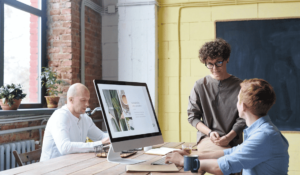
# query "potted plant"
(50, 81)
(11, 96)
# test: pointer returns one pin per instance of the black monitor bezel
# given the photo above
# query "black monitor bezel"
(112, 82)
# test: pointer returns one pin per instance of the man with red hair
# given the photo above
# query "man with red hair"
(264, 150)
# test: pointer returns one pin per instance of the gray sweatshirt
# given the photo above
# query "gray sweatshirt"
(213, 103)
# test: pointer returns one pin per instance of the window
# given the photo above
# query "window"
(22, 47)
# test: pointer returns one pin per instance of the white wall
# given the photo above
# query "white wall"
(137, 44)
(110, 43)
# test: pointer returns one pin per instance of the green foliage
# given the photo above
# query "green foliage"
(50, 81)
(117, 107)
(10, 92)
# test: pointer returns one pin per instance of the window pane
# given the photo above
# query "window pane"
(22, 51)
(33, 3)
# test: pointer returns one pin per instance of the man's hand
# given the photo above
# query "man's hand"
(181, 152)
(105, 141)
(175, 158)
(223, 141)
(214, 136)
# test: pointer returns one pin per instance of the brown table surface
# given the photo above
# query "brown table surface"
(87, 163)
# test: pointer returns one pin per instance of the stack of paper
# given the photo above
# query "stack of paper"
(160, 151)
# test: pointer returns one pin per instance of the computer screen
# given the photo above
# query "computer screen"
(128, 113)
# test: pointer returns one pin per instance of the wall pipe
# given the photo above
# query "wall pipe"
(97, 9)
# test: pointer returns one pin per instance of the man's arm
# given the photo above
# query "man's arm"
(210, 166)
(94, 133)
(61, 136)
(224, 140)
(195, 112)
(252, 152)
(211, 155)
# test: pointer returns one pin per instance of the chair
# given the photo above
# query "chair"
(22, 159)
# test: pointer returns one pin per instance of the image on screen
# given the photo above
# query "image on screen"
(128, 110)
(118, 110)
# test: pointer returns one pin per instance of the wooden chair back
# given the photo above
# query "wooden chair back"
(22, 159)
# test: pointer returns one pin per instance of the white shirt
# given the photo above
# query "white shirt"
(66, 134)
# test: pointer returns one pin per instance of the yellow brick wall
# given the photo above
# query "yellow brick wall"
(198, 27)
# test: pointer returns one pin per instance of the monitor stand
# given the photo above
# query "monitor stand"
(116, 158)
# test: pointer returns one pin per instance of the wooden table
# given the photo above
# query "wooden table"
(87, 163)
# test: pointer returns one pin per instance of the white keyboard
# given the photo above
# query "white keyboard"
(160, 161)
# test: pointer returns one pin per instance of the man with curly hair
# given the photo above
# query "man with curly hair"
(265, 149)
(212, 102)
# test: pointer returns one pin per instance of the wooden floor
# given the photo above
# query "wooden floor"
(87, 163)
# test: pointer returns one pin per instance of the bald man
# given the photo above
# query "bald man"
(69, 126)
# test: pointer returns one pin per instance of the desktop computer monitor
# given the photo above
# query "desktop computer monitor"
(129, 117)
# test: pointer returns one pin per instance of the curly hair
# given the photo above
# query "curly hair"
(258, 95)
(214, 49)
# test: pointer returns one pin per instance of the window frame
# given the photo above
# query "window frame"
(44, 62)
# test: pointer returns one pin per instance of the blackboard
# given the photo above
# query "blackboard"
(268, 49)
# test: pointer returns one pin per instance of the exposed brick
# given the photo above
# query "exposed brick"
(58, 56)
(67, 24)
(66, 63)
(66, 11)
(54, 50)
(55, 6)
(59, 43)
(61, 18)
(66, 37)
(55, 12)
(67, 50)
(66, 76)
(68, 4)
(61, 31)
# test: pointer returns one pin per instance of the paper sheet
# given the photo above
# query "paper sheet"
(160, 151)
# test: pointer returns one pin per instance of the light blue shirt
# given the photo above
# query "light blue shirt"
(264, 151)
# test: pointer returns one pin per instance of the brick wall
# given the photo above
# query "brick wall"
(33, 134)
(63, 54)
(64, 45)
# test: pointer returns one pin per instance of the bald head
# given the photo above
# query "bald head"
(76, 89)
(78, 97)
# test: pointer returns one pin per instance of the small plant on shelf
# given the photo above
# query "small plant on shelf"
(11, 96)
(50, 81)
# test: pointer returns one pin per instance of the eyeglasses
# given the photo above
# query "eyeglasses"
(218, 64)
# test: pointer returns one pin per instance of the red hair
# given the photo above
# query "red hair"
(258, 95)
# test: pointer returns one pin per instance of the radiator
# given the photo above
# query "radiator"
(7, 159)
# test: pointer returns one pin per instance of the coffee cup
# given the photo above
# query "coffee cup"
(191, 163)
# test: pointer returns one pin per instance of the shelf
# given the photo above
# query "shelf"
(35, 111)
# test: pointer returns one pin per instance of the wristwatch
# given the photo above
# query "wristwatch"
(209, 133)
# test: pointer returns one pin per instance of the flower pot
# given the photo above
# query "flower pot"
(52, 101)
(14, 106)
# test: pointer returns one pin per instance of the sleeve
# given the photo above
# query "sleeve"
(94, 132)
(247, 155)
(61, 136)
(239, 125)
(194, 110)
(230, 150)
